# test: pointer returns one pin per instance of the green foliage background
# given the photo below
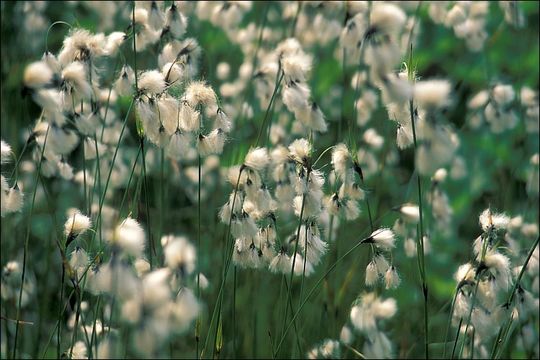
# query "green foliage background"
(496, 177)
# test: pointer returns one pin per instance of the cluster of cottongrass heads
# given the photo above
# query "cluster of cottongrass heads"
(309, 174)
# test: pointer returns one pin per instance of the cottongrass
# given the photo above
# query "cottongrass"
(298, 201)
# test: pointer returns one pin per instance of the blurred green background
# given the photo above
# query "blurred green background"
(496, 177)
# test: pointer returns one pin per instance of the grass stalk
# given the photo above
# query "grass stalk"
(129, 182)
(295, 20)
(279, 78)
(98, 181)
(500, 340)
(45, 302)
(198, 323)
(228, 258)
(420, 238)
(93, 336)
(234, 312)
(152, 250)
(295, 254)
(102, 199)
(449, 322)
(86, 203)
(77, 316)
(457, 337)
(469, 316)
(57, 325)
(289, 304)
(161, 192)
(314, 288)
(304, 265)
(248, 93)
(26, 240)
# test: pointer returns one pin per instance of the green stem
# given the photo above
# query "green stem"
(228, 253)
(15, 171)
(449, 322)
(279, 78)
(420, 240)
(457, 337)
(503, 339)
(102, 200)
(368, 207)
(198, 323)
(279, 309)
(234, 313)
(85, 194)
(27, 238)
(472, 343)
(44, 304)
(129, 183)
(77, 316)
(329, 293)
(93, 336)
(228, 258)
(247, 92)
(152, 251)
(469, 316)
(97, 181)
(354, 351)
(344, 86)
(288, 304)
(74, 282)
(314, 288)
(62, 310)
(134, 49)
(356, 94)
(305, 260)
(522, 271)
(289, 295)
(500, 339)
(161, 192)
(108, 100)
(59, 329)
(295, 20)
